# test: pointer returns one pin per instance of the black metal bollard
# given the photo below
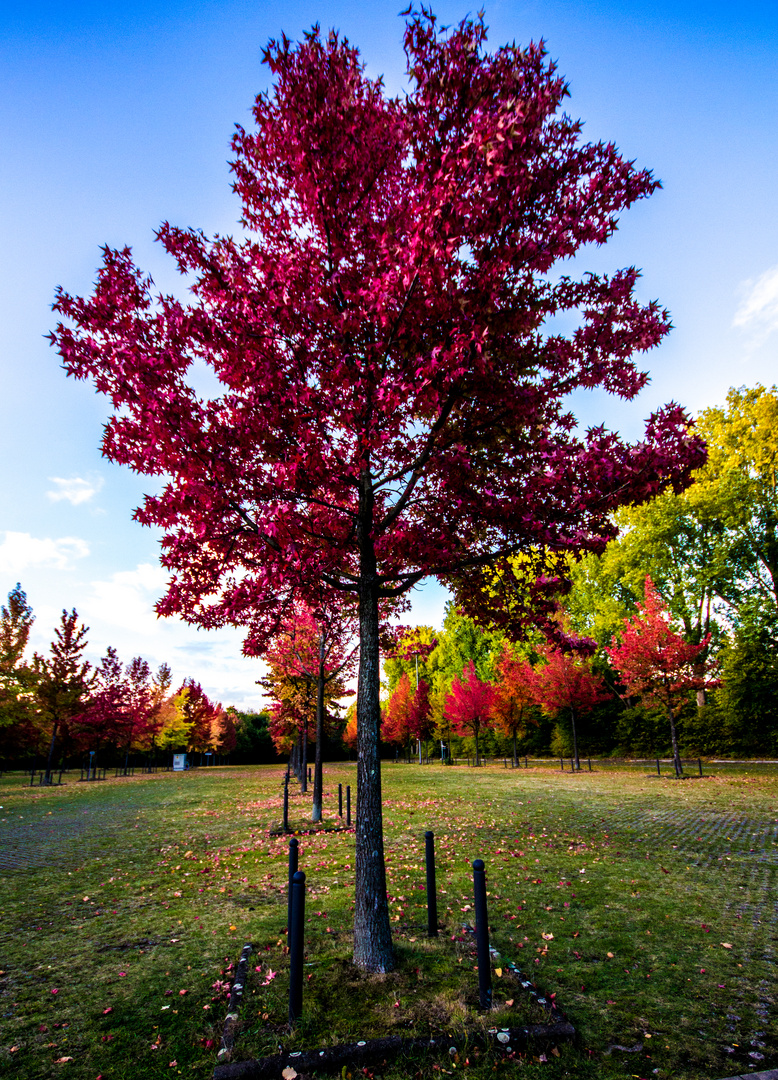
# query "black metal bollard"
(658, 770)
(561, 765)
(432, 898)
(286, 803)
(348, 806)
(526, 766)
(572, 767)
(309, 775)
(590, 764)
(294, 855)
(296, 947)
(482, 935)
(699, 763)
(340, 800)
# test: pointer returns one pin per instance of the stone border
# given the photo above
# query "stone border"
(770, 1074)
(374, 1051)
(236, 996)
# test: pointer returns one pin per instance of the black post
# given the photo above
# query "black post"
(699, 763)
(590, 764)
(296, 947)
(432, 899)
(286, 803)
(561, 765)
(340, 800)
(309, 774)
(482, 935)
(294, 855)
(348, 806)
(526, 766)
(658, 770)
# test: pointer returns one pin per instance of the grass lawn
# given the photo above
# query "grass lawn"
(646, 905)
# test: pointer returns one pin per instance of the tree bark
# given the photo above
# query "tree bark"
(676, 755)
(316, 812)
(372, 934)
(304, 769)
(50, 758)
(575, 741)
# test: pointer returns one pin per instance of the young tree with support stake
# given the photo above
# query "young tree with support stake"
(470, 705)
(565, 686)
(315, 648)
(658, 665)
(394, 406)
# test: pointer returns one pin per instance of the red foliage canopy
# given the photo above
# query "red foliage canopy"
(655, 662)
(393, 405)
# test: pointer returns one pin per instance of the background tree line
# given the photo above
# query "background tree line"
(711, 553)
(59, 707)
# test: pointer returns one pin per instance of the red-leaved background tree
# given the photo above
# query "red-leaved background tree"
(393, 404)
(658, 665)
(470, 705)
(566, 686)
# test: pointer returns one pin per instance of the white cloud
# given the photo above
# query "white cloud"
(127, 599)
(758, 310)
(75, 490)
(120, 612)
(19, 551)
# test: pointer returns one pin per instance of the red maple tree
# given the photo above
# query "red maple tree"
(657, 664)
(393, 404)
(514, 696)
(470, 705)
(313, 647)
(565, 683)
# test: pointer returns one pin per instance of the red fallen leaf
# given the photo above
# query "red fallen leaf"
(108, 1010)
(55, 990)
(168, 993)
(182, 992)
(663, 870)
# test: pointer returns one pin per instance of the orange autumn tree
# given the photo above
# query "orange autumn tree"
(514, 697)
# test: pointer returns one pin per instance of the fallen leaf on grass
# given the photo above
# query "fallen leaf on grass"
(182, 992)
(498, 972)
(509, 1002)
(289, 1073)
(725, 945)
(62, 1060)
(547, 937)
(609, 955)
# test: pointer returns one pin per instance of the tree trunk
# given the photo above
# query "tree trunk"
(304, 769)
(575, 741)
(372, 934)
(317, 768)
(676, 755)
(50, 758)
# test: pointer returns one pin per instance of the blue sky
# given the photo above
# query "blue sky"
(116, 117)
